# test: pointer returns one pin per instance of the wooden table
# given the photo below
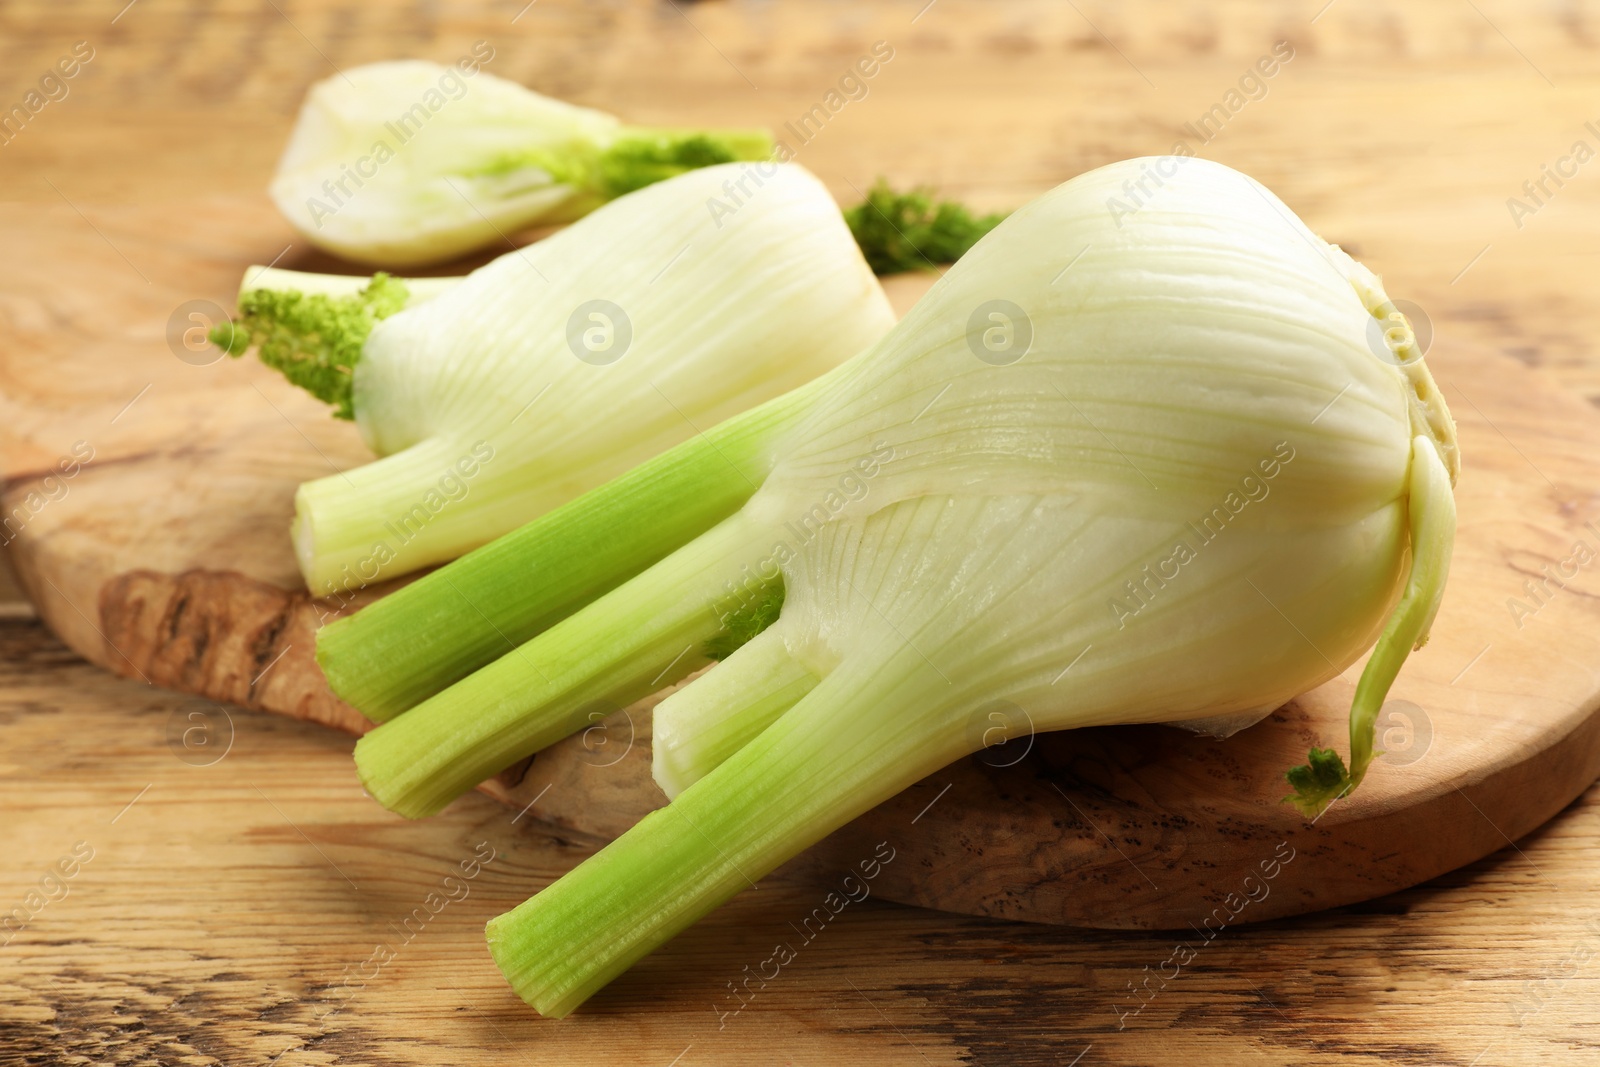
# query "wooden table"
(254, 908)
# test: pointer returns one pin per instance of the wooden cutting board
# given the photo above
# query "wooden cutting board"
(150, 489)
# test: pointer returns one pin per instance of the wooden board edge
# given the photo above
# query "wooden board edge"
(190, 631)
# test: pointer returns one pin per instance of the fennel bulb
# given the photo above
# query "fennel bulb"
(496, 397)
(405, 163)
(1178, 464)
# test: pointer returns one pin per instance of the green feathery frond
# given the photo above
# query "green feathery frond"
(314, 340)
(910, 231)
(741, 625)
(643, 157)
(1318, 782)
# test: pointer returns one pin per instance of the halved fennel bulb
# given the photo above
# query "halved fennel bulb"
(405, 163)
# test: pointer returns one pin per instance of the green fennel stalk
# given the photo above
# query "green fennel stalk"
(646, 634)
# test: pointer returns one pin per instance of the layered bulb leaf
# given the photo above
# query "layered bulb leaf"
(407, 163)
(1175, 464)
(559, 366)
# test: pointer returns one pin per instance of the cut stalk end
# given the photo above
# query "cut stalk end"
(696, 729)
(642, 636)
(379, 521)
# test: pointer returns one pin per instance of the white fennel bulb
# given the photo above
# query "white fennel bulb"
(560, 365)
(409, 162)
(1209, 417)
(1176, 464)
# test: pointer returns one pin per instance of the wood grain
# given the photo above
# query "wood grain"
(230, 911)
(1400, 132)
